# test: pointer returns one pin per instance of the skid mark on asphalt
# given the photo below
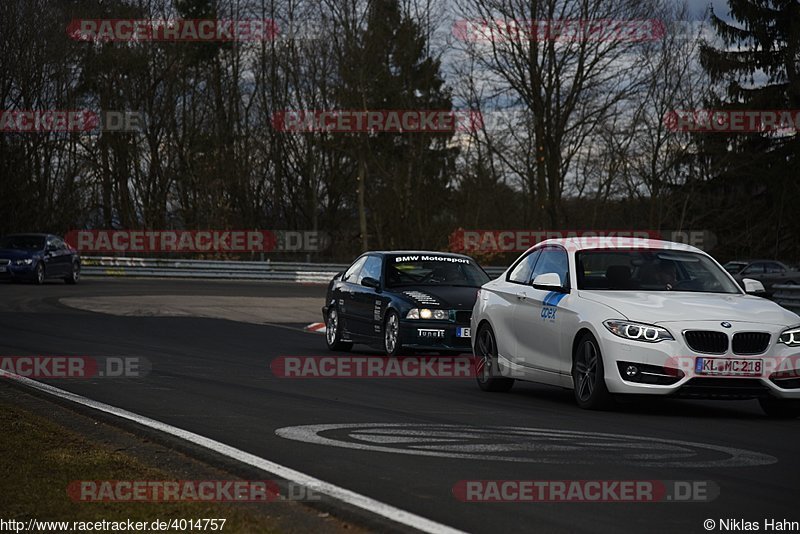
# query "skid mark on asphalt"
(526, 445)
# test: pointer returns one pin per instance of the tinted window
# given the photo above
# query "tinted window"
(774, 268)
(552, 260)
(352, 273)
(754, 268)
(372, 269)
(521, 273)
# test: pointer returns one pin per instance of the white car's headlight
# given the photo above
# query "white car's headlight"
(638, 331)
(26, 261)
(790, 337)
(425, 313)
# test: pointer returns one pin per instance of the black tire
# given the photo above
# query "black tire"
(39, 274)
(392, 341)
(487, 371)
(73, 277)
(333, 332)
(780, 408)
(588, 375)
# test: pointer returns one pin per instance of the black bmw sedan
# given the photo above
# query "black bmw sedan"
(38, 257)
(402, 301)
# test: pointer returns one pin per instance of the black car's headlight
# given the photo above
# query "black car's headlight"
(790, 337)
(26, 261)
(638, 331)
(425, 313)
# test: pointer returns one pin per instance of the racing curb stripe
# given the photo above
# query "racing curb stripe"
(347, 496)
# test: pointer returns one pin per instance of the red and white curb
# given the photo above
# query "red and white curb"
(316, 328)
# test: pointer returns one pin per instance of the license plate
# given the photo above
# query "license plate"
(430, 333)
(728, 367)
(462, 332)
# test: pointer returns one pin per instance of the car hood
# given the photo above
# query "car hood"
(663, 307)
(449, 297)
(16, 254)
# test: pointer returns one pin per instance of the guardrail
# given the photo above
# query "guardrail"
(787, 296)
(225, 270)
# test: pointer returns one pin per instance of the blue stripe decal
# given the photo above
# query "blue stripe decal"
(557, 298)
(548, 297)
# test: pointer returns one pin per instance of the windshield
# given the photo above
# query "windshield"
(22, 242)
(651, 270)
(433, 270)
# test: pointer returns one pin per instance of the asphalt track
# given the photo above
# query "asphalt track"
(408, 442)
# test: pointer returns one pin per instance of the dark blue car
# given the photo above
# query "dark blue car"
(404, 301)
(38, 257)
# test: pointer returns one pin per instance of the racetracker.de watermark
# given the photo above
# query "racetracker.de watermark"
(472, 241)
(196, 241)
(373, 367)
(164, 491)
(40, 121)
(362, 121)
(737, 121)
(55, 367)
(565, 30)
(177, 30)
(732, 366)
(606, 491)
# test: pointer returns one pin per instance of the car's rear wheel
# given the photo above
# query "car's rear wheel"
(780, 408)
(39, 274)
(333, 332)
(487, 370)
(392, 341)
(75, 275)
(588, 376)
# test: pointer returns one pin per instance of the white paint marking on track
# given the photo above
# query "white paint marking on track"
(344, 495)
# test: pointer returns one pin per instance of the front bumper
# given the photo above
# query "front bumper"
(434, 336)
(669, 367)
(17, 272)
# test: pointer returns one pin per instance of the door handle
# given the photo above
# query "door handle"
(522, 296)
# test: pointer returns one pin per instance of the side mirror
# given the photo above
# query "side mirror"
(753, 287)
(370, 282)
(548, 282)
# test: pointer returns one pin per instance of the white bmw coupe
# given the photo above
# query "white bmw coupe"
(608, 317)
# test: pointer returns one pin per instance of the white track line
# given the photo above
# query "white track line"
(349, 497)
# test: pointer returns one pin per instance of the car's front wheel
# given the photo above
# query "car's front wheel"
(588, 376)
(487, 370)
(780, 408)
(333, 332)
(392, 342)
(75, 275)
(39, 274)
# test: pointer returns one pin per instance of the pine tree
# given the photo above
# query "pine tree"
(755, 174)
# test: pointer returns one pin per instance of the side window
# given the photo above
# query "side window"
(372, 269)
(774, 268)
(552, 260)
(754, 268)
(521, 273)
(60, 245)
(352, 273)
